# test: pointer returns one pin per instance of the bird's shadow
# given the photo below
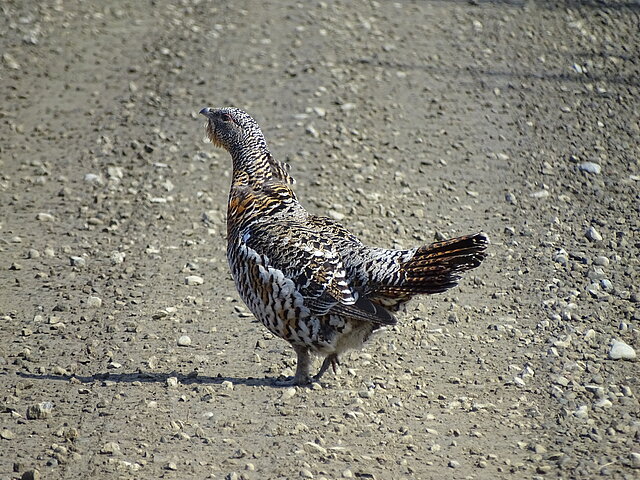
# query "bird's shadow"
(149, 377)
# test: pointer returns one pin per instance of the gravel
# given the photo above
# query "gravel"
(408, 122)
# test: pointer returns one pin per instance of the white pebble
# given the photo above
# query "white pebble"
(184, 341)
(92, 178)
(590, 167)
(593, 235)
(582, 412)
(94, 302)
(621, 351)
(193, 280)
(46, 217)
(117, 257)
(77, 261)
(172, 382)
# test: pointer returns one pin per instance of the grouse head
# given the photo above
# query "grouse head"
(232, 129)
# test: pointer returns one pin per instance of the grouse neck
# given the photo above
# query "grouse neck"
(251, 165)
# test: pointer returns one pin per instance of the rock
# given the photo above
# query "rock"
(540, 194)
(110, 448)
(193, 280)
(288, 393)
(304, 473)
(601, 261)
(581, 412)
(31, 475)
(314, 448)
(590, 167)
(561, 257)
(77, 261)
(7, 434)
(94, 302)
(337, 216)
(45, 217)
(184, 341)
(621, 351)
(117, 258)
(635, 460)
(39, 410)
(172, 382)
(11, 62)
(454, 464)
(593, 235)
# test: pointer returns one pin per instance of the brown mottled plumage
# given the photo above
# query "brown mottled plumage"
(305, 277)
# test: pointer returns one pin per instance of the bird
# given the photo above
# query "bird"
(306, 277)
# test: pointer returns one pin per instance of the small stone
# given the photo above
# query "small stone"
(606, 284)
(10, 61)
(601, 261)
(92, 178)
(540, 194)
(94, 302)
(288, 393)
(45, 217)
(539, 449)
(77, 261)
(39, 410)
(621, 351)
(184, 341)
(590, 167)
(7, 434)
(31, 475)
(582, 412)
(454, 464)
(227, 385)
(561, 257)
(33, 253)
(593, 235)
(337, 216)
(311, 130)
(511, 198)
(635, 460)
(193, 280)
(304, 473)
(172, 382)
(171, 466)
(110, 448)
(117, 258)
(314, 448)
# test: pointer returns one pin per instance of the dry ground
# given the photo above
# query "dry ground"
(405, 119)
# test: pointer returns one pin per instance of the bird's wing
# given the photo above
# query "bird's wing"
(309, 258)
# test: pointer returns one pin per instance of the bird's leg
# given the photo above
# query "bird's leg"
(303, 368)
(329, 360)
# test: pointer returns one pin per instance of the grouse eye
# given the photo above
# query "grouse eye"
(226, 117)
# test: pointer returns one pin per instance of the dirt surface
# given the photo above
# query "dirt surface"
(407, 121)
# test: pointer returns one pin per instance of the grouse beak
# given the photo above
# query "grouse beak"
(206, 111)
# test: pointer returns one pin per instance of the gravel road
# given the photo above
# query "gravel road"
(125, 351)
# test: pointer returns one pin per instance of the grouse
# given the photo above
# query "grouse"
(306, 277)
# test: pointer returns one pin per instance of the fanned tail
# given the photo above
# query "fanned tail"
(437, 267)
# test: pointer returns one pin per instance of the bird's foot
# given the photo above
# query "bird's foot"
(330, 361)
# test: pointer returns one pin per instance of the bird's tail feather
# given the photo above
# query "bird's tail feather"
(438, 267)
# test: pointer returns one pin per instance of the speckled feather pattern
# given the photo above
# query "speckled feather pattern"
(305, 277)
